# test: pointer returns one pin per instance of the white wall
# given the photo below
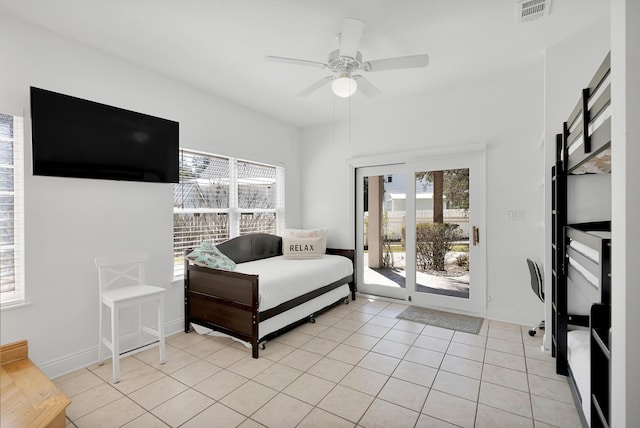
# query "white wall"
(71, 221)
(569, 67)
(505, 112)
(625, 292)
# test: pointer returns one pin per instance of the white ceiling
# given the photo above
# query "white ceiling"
(220, 45)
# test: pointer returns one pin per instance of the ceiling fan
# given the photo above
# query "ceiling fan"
(346, 63)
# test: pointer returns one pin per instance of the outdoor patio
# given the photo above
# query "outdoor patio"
(457, 286)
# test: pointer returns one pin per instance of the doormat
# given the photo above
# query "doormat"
(458, 322)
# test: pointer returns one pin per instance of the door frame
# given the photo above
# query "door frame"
(475, 154)
(376, 289)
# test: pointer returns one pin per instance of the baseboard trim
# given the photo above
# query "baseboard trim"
(513, 317)
(89, 356)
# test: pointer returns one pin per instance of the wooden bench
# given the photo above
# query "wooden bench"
(27, 397)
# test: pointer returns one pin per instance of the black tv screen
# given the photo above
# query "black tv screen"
(73, 137)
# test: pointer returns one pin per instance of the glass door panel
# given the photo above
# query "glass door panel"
(415, 226)
(442, 232)
(381, 207)
(450, 259)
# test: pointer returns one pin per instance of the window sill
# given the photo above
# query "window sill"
(14, 305)
(177, 282)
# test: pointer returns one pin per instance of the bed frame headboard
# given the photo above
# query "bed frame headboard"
(255, 246)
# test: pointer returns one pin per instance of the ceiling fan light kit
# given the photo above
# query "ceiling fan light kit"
(344, 86)
(347, 59)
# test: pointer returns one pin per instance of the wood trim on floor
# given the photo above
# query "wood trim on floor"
(15, 351)
(29, 398)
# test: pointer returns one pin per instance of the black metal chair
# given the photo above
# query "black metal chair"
(537, 286)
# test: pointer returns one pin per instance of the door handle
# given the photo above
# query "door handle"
(476, 235)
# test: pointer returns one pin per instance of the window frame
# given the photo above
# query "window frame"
(16, 296)
(233, 210)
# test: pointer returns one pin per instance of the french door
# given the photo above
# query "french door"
(420, 232)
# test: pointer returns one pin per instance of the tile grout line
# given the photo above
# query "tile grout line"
(315, 334)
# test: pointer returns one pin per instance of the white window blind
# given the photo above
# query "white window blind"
(219, 198)
(257, 201)
(11, 210)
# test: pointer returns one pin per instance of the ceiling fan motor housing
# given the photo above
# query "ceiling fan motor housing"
(344, 64)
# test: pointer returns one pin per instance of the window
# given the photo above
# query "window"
(219, 198)
(11, 211)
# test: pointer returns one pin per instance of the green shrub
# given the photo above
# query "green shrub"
(433, 241)
(463, 261)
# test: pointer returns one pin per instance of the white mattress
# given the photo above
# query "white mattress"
(302, 311)
(281, 280)
(578, 356)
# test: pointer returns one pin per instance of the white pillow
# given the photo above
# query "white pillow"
(308, 233)
(302, 248)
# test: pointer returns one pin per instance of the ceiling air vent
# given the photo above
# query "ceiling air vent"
(528, 10)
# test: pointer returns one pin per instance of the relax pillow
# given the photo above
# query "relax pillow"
(208, 255)
(302, 248)
(310, 233)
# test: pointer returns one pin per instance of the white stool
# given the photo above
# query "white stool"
(122, 284)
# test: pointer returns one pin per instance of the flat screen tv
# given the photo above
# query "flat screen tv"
(73, 137)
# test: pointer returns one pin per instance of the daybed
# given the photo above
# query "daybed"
(266, 293)
(581, 264)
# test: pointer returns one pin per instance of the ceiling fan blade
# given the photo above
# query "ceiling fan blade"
(295, 61)
(400, 62)
(350, 37)
(366, 88)
(319, 84)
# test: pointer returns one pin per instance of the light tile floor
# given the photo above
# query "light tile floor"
(356, 366)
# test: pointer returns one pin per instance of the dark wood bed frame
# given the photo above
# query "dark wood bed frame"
(227, 301)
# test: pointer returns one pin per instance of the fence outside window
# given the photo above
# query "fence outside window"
(219, 198)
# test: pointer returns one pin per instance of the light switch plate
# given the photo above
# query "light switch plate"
(515, 215)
